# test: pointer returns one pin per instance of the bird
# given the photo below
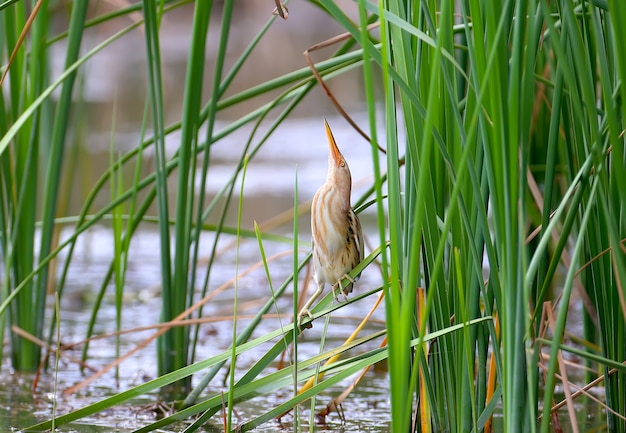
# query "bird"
(336, 231)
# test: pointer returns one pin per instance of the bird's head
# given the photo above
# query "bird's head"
(338, 171)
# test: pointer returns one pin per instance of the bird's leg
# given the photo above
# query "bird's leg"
(304, 311)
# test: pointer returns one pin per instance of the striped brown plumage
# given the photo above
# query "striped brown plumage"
(335, 229)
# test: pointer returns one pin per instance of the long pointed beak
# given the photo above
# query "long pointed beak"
(334, 150)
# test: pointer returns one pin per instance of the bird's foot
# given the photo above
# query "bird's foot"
(302, 315)
(338, 289)
(304, 311)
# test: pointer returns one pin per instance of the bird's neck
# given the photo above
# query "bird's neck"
(340, 195)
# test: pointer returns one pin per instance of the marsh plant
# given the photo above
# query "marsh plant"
(496, 135)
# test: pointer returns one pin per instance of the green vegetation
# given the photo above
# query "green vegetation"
(502, 194)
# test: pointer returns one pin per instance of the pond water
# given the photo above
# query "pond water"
(20, 406)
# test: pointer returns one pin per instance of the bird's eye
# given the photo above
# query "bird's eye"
(343, 163)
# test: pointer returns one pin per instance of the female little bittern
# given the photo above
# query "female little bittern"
(335, 229)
